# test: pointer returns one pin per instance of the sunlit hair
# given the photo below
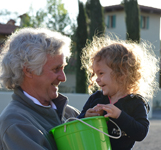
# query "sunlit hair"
(136, 62)
(29, 47)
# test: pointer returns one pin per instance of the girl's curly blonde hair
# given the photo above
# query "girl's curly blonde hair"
(137, 62)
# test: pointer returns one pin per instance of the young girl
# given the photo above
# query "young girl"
(125, 73)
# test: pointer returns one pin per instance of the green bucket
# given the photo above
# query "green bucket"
(83, 134)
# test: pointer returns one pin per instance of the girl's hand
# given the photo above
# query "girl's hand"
(91, 112)
(99, 110)
(112, 110)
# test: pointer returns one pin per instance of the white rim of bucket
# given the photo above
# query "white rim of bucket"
(114, 137)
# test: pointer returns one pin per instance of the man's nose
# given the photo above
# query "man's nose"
(62, 76)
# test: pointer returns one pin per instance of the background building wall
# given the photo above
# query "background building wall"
(120, 29)
(75, 100)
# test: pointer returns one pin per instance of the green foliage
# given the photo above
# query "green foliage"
(26, 21)
(132, 20)
(87, 28)
(81, 34)
(33, 20)
(96, 18)
(58, 18)
(54, 16)
(39, 18)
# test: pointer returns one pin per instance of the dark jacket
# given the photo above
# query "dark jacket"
(25, 125)
(132, 121)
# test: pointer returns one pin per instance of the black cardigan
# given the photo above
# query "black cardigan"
(132, 121)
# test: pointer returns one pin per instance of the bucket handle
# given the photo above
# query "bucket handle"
(114, 137)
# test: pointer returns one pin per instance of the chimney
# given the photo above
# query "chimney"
(11, 22)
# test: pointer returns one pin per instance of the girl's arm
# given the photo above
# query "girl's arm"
(135, 126)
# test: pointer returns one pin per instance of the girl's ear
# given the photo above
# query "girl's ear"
(27, 72)
(121, 79)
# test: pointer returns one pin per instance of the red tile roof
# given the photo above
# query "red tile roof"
(7, 29)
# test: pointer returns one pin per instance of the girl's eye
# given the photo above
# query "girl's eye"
(101, 73)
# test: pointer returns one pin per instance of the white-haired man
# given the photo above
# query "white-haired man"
(33, 62)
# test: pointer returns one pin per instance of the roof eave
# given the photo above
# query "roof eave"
(143, 8)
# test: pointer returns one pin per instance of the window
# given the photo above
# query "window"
(111, 21)
(144, 22)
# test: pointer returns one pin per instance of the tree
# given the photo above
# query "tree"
(33, 20)
(38, 20)
(54, 16)
(132, 14)
(25, 21)
(96, 18)
(58, 18)
(81, 34)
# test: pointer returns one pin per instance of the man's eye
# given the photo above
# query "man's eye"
(56, 69)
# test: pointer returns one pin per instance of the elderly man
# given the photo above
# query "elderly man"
(33, 62)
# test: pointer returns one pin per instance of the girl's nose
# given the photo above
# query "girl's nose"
(97, 80)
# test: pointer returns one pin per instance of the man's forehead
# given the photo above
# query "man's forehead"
(56, 59)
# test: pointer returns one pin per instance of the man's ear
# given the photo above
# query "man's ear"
(27, 72)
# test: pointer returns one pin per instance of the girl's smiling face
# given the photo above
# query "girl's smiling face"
(104, 79)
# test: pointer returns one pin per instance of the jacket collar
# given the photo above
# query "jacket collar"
(60, 102)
